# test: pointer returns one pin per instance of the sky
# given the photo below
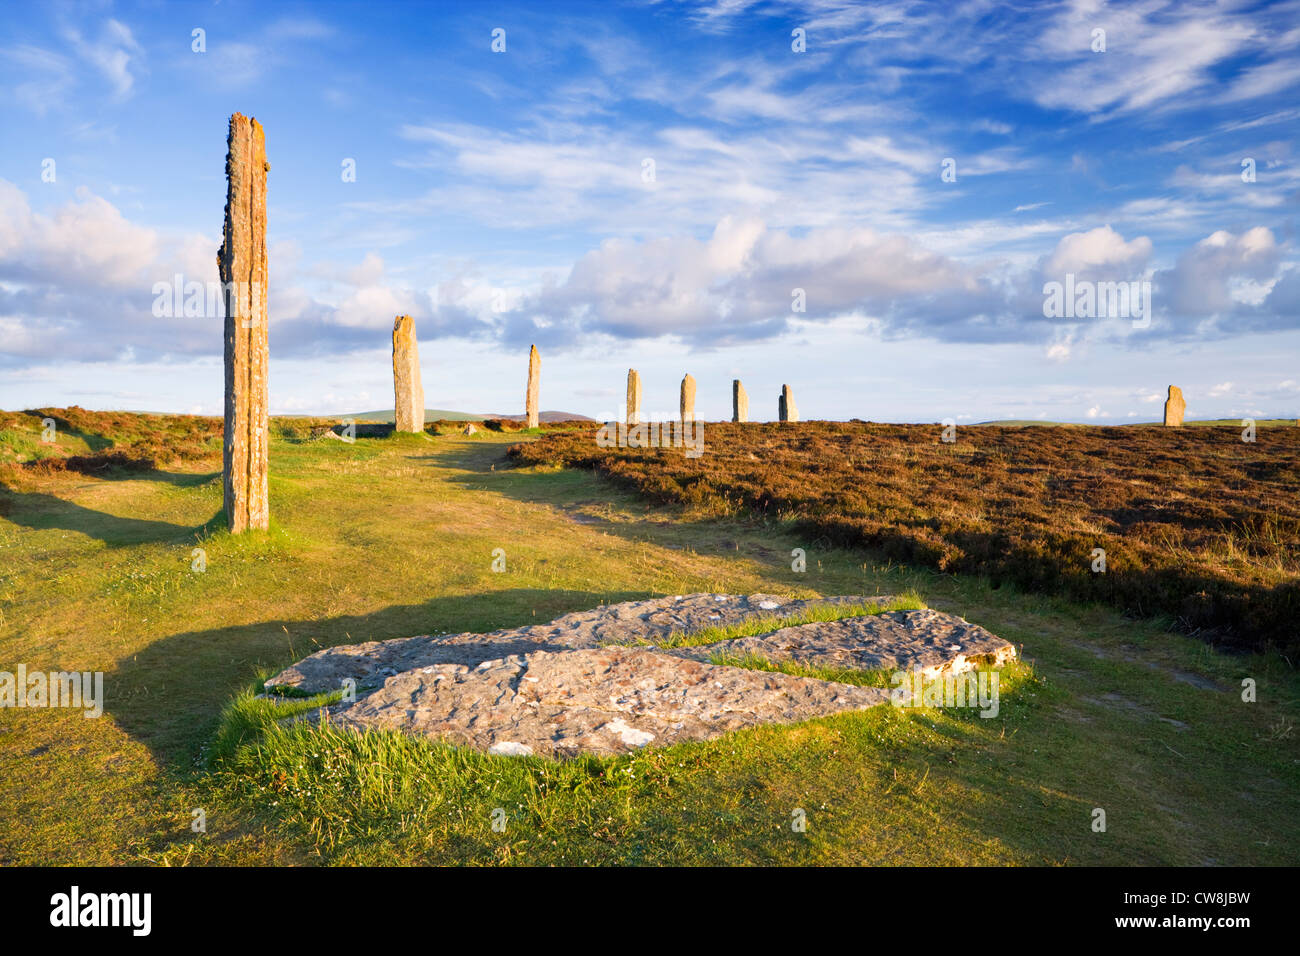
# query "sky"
(869, 202)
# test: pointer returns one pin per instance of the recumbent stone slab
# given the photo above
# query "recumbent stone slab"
(601, 701)
(630, 622)
(554, 690)
(925, 640)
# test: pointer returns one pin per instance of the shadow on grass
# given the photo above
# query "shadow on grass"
(96, 443)
(667, 525)
(40, 511)
(170, 695)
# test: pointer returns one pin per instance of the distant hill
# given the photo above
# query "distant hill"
(442, 414)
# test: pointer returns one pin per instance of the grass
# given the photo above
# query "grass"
(1193, 523)
(757, 662)
(393, 537)
(766, 623)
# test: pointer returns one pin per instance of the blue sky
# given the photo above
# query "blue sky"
(505, 198)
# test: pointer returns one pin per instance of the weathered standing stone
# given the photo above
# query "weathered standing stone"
(1174, 406)
(534, 386)
(408, 392)
(241, 264)
(688, 399)
(633, 397)
(786, 408)
(739, 402)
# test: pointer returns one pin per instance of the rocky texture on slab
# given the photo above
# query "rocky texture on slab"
(241, 264)
(601, 701)
(631, 622)
(925, 640)
(615, 678)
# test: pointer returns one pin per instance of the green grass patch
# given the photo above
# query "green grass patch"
(756, 662)
(766, 623)
(249, 716)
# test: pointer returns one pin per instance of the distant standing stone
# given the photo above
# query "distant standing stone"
(1174, 406)
(534, 386)
(408, 393)
(633, 397)
(241, 264)
(739, 402)
(786, 408)
(688, 399)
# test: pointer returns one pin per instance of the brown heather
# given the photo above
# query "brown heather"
(139, 441)
(1196, 524)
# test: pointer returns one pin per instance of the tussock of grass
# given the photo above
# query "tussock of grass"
(756, 662)
(766, 623)
(248, 717)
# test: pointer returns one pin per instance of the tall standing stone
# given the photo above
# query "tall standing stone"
(534, 387)
(633, 397)
(1174, 406)
(241, 264)
(739, 402)
(408, 392)
(787, 411)
(688, 399)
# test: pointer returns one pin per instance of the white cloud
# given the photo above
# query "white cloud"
(1156, 53)
(1202, 281)
(1098, 249)
(47, 77)
(84, 241)
(114, 55)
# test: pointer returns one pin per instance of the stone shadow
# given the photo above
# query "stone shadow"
(489, 469)
(40, 511)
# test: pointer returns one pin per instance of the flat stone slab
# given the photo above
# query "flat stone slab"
(592, 682)
(632, 622)
(602, 701)
(928, 640)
